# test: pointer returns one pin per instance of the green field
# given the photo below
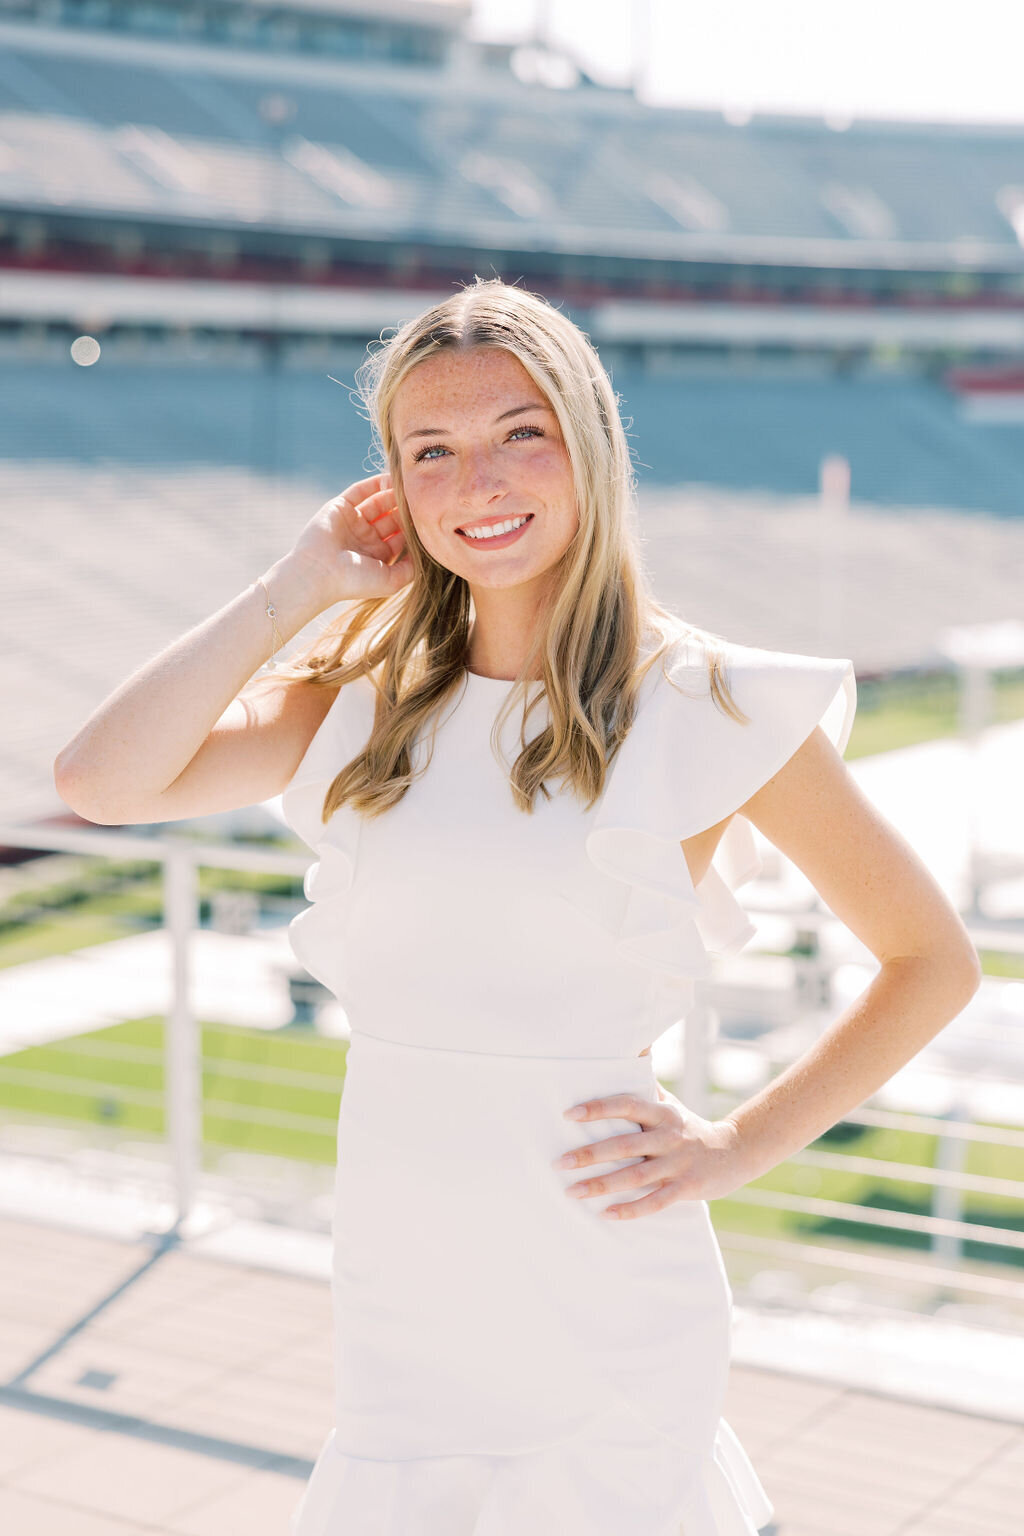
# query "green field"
(258, 1087)
(902, 711)
(114, 1077)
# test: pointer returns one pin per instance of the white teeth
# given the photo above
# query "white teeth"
(496, 530)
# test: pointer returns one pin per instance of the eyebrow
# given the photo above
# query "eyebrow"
(517, 410)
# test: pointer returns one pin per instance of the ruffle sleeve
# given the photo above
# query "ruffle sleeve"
(684, 767)
(316, 933)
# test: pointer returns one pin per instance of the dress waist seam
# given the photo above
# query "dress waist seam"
(504, 1056)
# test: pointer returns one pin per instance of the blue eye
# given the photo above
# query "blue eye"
(433, 447)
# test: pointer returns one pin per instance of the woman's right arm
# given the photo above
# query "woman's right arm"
(179, 738)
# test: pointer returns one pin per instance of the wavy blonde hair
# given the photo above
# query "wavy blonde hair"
(589, 648)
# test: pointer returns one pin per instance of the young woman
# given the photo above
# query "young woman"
(530, 788)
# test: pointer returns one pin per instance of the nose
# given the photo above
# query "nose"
(479, 481)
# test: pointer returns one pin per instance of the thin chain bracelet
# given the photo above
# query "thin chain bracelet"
(276, 641)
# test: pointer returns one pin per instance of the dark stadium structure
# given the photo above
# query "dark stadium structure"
(235, 197)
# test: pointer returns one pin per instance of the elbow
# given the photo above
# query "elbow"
(975, 971)
(62, 782)
(966, 961)
(956, 969)
(964, 971)
(64, 775)
(70, 791)
(962, 961)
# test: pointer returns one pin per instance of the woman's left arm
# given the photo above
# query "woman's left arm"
(865, 871)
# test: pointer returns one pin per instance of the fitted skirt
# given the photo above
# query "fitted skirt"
(504, 1353)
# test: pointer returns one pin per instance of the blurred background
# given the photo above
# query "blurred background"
(795, 234)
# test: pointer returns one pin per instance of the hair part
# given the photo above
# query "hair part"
(602, 629)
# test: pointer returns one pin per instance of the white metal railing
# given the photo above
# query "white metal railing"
(180, 860)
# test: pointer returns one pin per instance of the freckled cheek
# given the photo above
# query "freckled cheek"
(551, 482)
(554, 466)
(565, 493)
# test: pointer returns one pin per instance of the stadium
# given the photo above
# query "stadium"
(232, 201)
(210, 213)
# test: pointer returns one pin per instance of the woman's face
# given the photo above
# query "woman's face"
(472, 457)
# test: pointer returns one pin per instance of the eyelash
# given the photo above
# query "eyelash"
(537, 432)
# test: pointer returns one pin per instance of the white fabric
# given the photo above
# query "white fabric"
(505, 1358)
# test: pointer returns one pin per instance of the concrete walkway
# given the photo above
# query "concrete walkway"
(149, 1390)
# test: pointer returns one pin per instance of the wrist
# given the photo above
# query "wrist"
(740, 1150)
(296, 594)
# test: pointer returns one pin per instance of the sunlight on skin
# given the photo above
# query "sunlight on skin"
(460, 464)
(477, 468)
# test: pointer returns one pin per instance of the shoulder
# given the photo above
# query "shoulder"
(776, 691)
(714, 748)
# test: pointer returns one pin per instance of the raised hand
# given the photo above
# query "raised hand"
(353, 547)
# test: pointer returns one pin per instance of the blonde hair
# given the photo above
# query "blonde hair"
(602, 616)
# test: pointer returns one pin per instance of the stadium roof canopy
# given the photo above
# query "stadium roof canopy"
(137, 128)
(448, 13)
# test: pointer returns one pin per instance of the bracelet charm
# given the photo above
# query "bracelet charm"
(271, 664)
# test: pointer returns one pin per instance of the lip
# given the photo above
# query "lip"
(496, 541)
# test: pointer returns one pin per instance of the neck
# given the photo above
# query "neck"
(502, 631)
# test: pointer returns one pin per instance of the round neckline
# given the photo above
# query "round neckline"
(502, 682)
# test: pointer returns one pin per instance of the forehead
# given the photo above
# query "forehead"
(470, 381)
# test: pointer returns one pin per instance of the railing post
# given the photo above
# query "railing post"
(183, 1091)
(947, 1201)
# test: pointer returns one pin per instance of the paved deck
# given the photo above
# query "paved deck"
(148, 1389)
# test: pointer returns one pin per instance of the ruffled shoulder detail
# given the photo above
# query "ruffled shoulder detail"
(315, 933)
(684, 767)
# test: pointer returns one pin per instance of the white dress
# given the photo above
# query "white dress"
(506, 1359)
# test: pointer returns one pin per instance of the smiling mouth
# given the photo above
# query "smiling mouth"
(496, 540)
